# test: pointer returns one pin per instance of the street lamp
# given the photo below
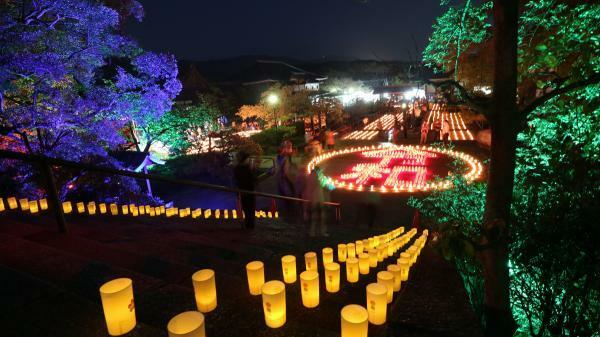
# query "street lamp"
(272, 99)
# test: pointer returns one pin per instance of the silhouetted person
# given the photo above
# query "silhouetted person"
(246, 180)
(314, 212)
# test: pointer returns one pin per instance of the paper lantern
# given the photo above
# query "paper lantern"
(387, 279)
(359, 247)
(131, 207)
(114, 209)
(377, 303)
(24, 203)
(276, 214)
(217, 214)
(33, 207)
(91, 206)
(380, 253)
(352, 269)
(355, 321)
(273, 298)
(152, 212)
(384, 250)
(310, 260)
(395, 270)
(12, 202)
(309, 283)
(226, 214)
(234, 214)
(351, 250)
(43, 204)
(207, 213)
(67, 207)
(118, 306)
(413, 251)
(102, 208)
(288, 268)
(147, 208)
(134, 211)
(373, 258)
(327, 255)
(256, 276)
(205, 290)
(390, 249)
(124, 210)
(142, 210)
(363, 263)
(187, 324)
(332, 277)
(2, 207)
(80, 207)
(342, 252)
(404, 265)
(365, 244)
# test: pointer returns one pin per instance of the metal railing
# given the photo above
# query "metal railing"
(46, 164)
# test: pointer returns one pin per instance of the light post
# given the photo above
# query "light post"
(272, 99)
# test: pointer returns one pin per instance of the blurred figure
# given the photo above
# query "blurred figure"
(330, 139)
(314, 212)
(285, 175)
(424, 132)
(245, 180)
(446, 132)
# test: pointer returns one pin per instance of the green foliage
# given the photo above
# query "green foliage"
(270, 139)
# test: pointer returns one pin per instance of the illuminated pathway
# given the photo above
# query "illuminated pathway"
(458, 128)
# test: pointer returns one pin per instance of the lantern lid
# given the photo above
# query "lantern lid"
(115, 285)
(254, 265)
(186, 322)
(309, 275)
(288, 258)
(327, 249)
(310, 254)
(273, 288)
(350, 244)
(203, 275)
(355, 313)
(385, 275)
(332, 266)
(351, 260)
(393, 267)
(363, 255)
(342, 245)
(377, 289)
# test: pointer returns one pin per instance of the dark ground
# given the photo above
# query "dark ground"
(50, 281)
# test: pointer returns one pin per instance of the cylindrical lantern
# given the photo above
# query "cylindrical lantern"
(355, 321)
(12, 202)
(256, 276)
(413, 251)
(377, 303)
(363, 263)
(273, 297)
(310, 260)
(387, 279)
(134, 211)
(332, 277)
(43, 204)
(384, 250)
(365, 244)
(102, 208)
(33, 206)
(404, 265)
(2, 207)
(67, 207)
(118, 306)
(124, 209)
(24, 203)
(359, 247)
(187, 324)
(351, 250)
(390, 249)
(309, 282)
(352, 269)
(327, 255)
(342, 252)
(395, 270)
(373, 258)
(91, 206)
(288, 267)
(205, 290)
(380, 253)
(80, 207)
(114, 209)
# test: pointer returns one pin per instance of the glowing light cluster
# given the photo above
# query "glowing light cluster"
(371, 130)
(396, 162)
(458, 129)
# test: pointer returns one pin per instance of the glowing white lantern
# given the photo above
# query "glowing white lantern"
(256, 276)
(67, 207)
(288, 268)
(332, 277)
(310, 260)
(395, 270)
(327, 255)
(33, 206)
(187, 324)
(373, 258)
(273, 298)
(205, 290)
(118, 305)
(363, 263)
(24, 203)
(352, 269)
(309, 283)
(43, 204)
(355, 321)
(359, 247)
(387, 279)
(342, 252)
(377, 303)
(351, 249)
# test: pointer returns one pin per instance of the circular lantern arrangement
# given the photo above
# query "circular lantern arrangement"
(393, 168)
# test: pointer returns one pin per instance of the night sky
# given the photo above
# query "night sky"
(305, 29)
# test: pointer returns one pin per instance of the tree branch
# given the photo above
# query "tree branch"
(480, 105)
(593, 79)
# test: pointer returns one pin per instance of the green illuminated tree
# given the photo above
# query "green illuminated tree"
(542, 51)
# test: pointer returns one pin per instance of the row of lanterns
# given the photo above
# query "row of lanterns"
(119, 306)
(91, 208)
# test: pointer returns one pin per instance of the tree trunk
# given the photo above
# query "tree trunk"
(504, 121)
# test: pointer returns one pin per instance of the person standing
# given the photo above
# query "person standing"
(424, 132)
(330, 139)
(446, 132)
(314, 212)
(245, 180)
